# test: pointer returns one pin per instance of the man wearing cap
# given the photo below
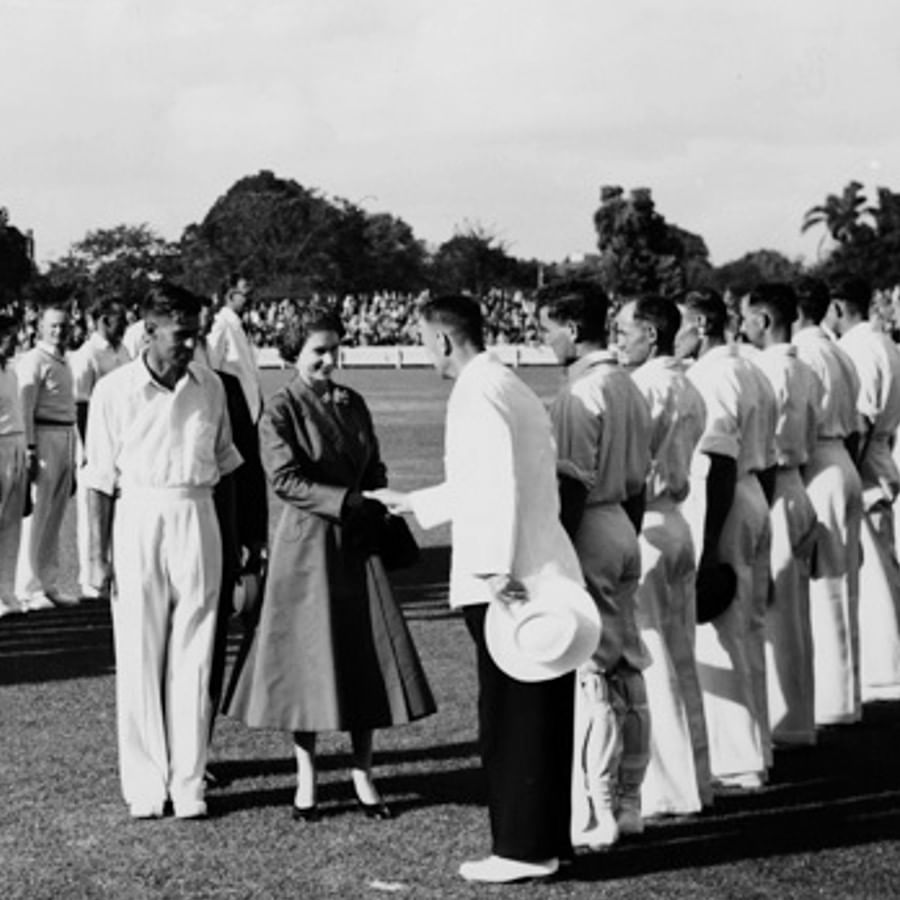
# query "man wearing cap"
(728, 512)
(99, 355)
(877, 362)
(48, 411)
(678, 776)
(602, 426)
(500, 496)
(767, 314)
(158, 441)
(835, 491)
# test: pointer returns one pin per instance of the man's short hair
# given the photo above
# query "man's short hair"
(104, 307)
(304, 320)
(166, 300)
(663, 315)
(708, 302)
(581, 301)
(458, 313)
(813, 298)
(856, 293)
(777, 299)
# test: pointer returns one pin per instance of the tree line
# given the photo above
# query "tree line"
(292, 241)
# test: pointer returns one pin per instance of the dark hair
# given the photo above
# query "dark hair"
(59, 300)
(708, 302)
(581, 301)
(459, 314)
(8, 323)
(856, 293)
(663, 315)
(813, 298)
(166, 300)
(104, 307)
(777, 299)
(303, 321)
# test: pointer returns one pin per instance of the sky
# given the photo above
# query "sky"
(739, 114)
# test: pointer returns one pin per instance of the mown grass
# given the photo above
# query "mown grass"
(827, 826)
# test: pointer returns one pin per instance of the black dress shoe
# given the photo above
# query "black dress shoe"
(379, 810)
(306, 813)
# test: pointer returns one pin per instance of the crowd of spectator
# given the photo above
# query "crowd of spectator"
(389, 318)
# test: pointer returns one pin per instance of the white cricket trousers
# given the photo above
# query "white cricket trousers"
(12, 499)
(38, 568)
(167, 557)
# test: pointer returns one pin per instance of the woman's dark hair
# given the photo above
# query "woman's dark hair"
(303, 321)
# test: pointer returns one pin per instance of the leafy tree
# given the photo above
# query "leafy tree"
(289, 239)
(752, 269)
(475, 260)
(639, 251)
(121, 262)
(16, 264)
(842, 215)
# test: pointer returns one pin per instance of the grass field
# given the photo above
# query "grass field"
(827, 826)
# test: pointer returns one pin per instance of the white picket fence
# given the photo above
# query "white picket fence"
(404, 357)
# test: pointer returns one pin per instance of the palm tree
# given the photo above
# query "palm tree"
(840, 215)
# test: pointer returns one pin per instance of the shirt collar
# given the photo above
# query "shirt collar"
(144, 377)
(659, 362)
(590, 360)
(780, 350)
(809, 333)
(50, 350)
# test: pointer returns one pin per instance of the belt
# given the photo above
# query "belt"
(51, 423)
(182, 492)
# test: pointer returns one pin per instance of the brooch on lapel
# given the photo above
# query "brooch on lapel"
(340, 397)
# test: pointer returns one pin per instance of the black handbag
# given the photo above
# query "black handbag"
(396, 545)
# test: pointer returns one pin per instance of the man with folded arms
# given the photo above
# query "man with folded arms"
(500, 496)
(835, 491)
(158, 441)
(48, 410)
(678, 776)
(877, 362)
(602, 426)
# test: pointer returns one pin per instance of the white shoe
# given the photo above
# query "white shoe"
(62, 600)
(196, 809)
(37, 602)
(629, 819)
(502, 870)
(145, 811)
(602, 835)
(8, 606)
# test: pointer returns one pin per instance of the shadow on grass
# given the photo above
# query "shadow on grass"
(843, 792)
(58, 644)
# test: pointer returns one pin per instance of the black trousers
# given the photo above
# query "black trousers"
(525, 737)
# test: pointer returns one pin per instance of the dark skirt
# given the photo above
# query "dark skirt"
(340, 660)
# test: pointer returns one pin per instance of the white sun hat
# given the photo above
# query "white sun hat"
(553, 632)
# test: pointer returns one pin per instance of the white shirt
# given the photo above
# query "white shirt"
(740, 409)
(877, 363)
(678, 419)
(46, 388)
(141, 434)
(500, 491)
(230, 351)
(602, 427)
(798, 393)
(95, 358)
(10, 405)
(837, 374)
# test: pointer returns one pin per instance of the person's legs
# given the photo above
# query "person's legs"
(193, 555)
(305, 754)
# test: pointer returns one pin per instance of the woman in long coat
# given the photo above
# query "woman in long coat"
(332, 651)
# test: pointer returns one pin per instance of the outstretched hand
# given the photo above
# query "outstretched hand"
(396, 501)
